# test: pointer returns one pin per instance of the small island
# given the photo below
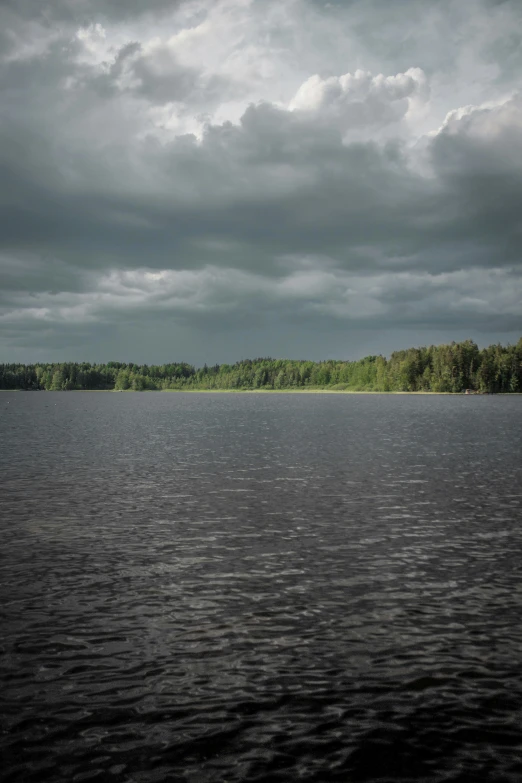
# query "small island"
(457, 368)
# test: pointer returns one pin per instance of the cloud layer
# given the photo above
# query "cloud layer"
(282, 176)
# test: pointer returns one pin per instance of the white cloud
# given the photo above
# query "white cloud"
(362, 99)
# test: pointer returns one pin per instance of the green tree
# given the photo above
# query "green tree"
(58, 380)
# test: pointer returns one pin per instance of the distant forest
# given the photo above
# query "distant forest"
(442, 368)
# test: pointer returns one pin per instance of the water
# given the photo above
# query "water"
(260, 587)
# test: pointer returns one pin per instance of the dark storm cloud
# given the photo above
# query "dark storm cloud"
(315, 194)
(122, 204)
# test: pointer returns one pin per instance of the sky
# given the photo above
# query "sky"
(212, 180)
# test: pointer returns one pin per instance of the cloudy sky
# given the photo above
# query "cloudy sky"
(210, 180)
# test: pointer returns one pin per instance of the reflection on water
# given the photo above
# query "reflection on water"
(260, 588)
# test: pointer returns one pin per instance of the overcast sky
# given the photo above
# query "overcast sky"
(211, 180)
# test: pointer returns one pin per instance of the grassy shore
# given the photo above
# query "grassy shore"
(296, 391)
(279, 391)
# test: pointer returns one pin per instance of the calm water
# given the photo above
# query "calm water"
(260, 587)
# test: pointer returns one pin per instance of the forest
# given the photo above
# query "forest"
(452, 368)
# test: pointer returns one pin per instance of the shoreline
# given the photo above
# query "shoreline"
(273, 391)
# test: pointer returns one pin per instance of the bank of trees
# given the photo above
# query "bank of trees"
(443, 368)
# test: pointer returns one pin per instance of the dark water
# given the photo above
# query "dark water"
(260, 588)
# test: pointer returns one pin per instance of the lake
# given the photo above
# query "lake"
(260, 587)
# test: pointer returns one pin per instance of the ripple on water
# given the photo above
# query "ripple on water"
(201, 588)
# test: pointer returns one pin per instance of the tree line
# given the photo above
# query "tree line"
(443, 368)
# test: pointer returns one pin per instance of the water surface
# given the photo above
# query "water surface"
(260, 587)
